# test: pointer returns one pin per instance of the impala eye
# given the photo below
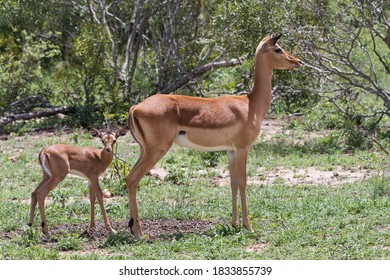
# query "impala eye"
(114, 141)
(278, 50)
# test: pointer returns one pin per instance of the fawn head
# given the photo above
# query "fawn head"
(108, 138)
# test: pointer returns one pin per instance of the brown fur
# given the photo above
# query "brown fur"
(230, 123)
(57, 161)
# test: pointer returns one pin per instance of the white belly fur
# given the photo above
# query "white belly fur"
(77, 173)
(80, 174)
(183, 141)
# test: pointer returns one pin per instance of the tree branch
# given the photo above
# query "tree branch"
(37, 114)
(185, 79)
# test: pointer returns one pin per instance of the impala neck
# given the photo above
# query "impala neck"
(106, 157)
(260, 96)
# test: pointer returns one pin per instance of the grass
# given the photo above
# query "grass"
(290, 221)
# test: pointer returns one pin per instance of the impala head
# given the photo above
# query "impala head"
(274, 56)
(108, 138)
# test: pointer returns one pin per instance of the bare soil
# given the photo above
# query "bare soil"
(303, 176)
(152, 229)
(94, 239)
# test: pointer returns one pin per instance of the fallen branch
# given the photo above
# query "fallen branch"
(37, 114)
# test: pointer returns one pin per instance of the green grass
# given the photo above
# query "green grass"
(290, 221)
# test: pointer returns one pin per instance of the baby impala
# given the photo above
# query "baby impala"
(57, 161)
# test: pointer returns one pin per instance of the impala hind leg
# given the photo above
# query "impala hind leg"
(34, 199)
(146, 161)
(41, 194)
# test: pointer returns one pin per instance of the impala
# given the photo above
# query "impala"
(57, 161)
(230, 123)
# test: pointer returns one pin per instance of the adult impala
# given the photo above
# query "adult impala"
(57, 161)
(230, 123)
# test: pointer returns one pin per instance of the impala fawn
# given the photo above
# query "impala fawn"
(57, 161)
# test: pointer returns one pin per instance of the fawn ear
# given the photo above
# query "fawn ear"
(121, 132)
(95, 133)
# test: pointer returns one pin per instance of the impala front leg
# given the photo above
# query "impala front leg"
(240, 172)
(92, 199)
(97, 192)
(34, 199)
(234, 187)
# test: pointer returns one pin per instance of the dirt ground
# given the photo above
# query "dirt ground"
(152, 229)
(94, 239)
(304, 176)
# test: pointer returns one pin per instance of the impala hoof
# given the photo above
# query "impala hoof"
(136, 232)
(135, 229)
(137, 236)
(248, 228)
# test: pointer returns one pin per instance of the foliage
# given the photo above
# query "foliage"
(70, 242)
(22, 70)
(348, 51)
(118, 239)
(29, 237)
(101, 58)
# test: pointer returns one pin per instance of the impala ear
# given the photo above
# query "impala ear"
(273, 39)
(267, 42)
(121, 132)
(95, 133)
